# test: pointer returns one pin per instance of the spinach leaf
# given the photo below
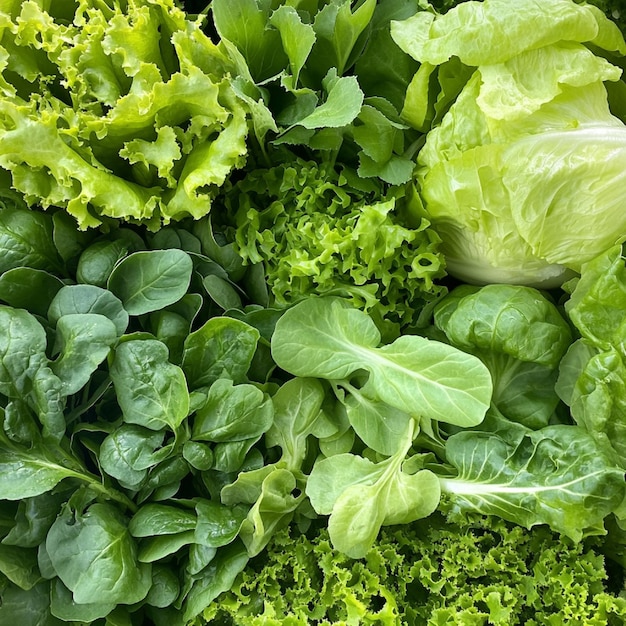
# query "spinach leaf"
(223, 347)
(146, 281)
(151, 391)
(95, 556)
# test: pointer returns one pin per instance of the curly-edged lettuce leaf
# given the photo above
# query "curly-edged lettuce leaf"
(592, 376)
(557, 475)
(127, 112)
(482, 33)
(319, 231)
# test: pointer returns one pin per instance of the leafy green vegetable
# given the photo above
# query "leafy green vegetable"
(527, 138)
(126, 111)
(429, 572)
(521, 337)
(498, 469)
(319, 231)
(326, 339)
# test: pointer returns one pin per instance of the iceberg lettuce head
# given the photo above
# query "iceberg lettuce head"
(523, 175)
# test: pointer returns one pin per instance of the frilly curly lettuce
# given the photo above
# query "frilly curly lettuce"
(125, 111)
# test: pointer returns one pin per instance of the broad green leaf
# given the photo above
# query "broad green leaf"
(222, 292)
(165, 587)
(129, 451)
(83, 341)
(96, 262)
(63, 606)
(233, 413)
(380, 426)
(28, 608)
(598, 301)
(95, 556)
(245, 23)
(25, 375)
(88, 299)
(26, 240)
(511, 319)
(199, 455)
(33, 519)
(22, 351)
(219, 577)
(28, 473)
(280, 494)
(318, 337)
(342, 104)
(325, 338)
(337, 26)
(28, 288)
(361, 496)
(151, 391)
(19, 565)
(218, 525)
(159, 547)
(161, 519)
(297, 406)
(222, 348)
(146, 281)
(557, 475)
(598, 401)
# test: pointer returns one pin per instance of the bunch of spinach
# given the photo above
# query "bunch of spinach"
(110, 342)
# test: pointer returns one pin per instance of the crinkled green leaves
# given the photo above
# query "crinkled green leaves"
(129, 112)
(522, 132)
(319, 232)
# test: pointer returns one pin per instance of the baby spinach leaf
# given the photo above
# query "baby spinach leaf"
(161, 519)
(165, 587)
(63, 605)
(28, 608)
(198, 455)
(159, 547)
(325, 338)
(19, 565)
(128, 452)
(26, 241)
(146, 281)
(29, 288)
(218, 577)
(98, 261)
(557, 475)
(95, 556)
(151, 391)
(88, 299)
(83, 341)
(218, 525)
(221, 348)
(29, 472)
(233, 413)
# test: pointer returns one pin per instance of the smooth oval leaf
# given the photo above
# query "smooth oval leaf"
(149, 280)
(151, 391)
